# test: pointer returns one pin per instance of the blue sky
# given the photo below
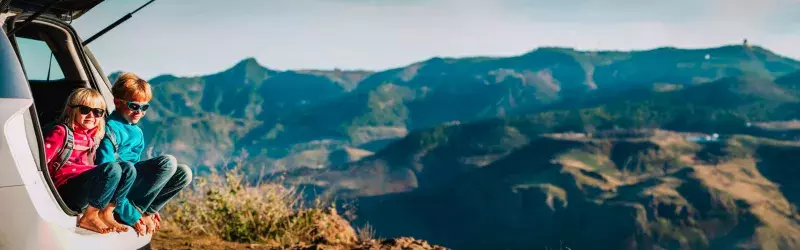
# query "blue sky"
(194, 37)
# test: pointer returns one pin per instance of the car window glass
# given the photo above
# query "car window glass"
(38, 60)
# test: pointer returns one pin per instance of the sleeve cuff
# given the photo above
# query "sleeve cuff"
(128, 213)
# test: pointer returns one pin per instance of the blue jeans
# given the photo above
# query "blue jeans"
(107, 182)
(157, 181)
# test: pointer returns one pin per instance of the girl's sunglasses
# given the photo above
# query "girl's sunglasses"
(135, 106)
(84, 110)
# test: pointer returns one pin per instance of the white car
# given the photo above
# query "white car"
(41, 61)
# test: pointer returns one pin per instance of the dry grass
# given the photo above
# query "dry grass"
(560, 247)
(366, 232)
(225, 207)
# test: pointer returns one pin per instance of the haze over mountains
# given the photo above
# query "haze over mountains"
(276, 115)
(587, 148)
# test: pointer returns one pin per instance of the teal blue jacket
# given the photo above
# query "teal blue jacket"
(130, 141)
(130, 144)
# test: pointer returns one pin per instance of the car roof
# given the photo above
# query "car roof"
(64, 9)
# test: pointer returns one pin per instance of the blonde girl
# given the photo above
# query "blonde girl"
(70, 148)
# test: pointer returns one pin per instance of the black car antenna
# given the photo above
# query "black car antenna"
(115, 24)
(34, 16)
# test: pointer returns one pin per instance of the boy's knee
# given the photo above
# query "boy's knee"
(185, 174)
(167, 163)
(111, 171)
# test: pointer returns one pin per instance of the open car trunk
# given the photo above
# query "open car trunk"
(64, 9)
(30, 97)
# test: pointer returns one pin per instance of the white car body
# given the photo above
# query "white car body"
(32, 215)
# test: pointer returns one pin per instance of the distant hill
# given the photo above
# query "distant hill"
(724, 106)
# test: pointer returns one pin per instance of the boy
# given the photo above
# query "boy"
(158, 179)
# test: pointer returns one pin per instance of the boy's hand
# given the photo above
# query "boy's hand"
(157, 220)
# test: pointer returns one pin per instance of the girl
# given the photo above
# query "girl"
(80, 183)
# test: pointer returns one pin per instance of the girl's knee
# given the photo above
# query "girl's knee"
(128, 170)
(111, 170)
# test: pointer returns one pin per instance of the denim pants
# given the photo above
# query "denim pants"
(157, 181)
(107, 182)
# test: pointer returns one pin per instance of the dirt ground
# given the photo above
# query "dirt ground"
(173, 241)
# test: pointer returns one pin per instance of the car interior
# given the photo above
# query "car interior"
(55, 61)
(50, 94)
(54, 69)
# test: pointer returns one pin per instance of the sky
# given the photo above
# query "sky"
(198, 37)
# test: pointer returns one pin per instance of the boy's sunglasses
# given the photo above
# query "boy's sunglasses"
(84, 110)
(135, 106)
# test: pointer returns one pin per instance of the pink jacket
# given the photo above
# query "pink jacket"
(81, 159)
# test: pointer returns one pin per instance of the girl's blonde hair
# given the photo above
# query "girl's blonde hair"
(86, 97)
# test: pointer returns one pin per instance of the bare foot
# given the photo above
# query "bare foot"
(157, 220)
(139, 227)
(91, 221)
(149, 223)
(107, 215)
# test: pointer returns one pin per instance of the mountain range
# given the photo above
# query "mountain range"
(657, 149)
(290, 119)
